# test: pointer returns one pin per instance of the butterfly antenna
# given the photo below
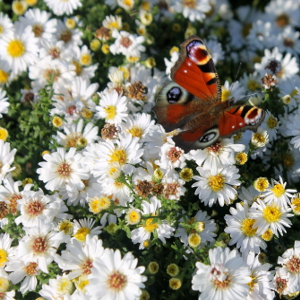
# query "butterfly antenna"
(236, 75)
(261, 92)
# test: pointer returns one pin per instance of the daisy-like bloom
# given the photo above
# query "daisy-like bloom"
(4, 104)
(288, 41)
(278, 194)
(6, 26)
(235, 90)
(126, 4)
(259, 138)
(19, 49)
(261, 286)
(34, 207)
(6, 159)
(25, 272)
(60, 168)
(41, 26)
(282, 13)
(275, 64)
(217, 185)
(173, 185)
(171, 157)
(162, 229)
(84, 227)
(79, 258)
(138, 125)
(126, 151)
(114, 277)
(290, 260)
(112, 107)
(261, 184)
(6, 251)
(76, 136)
(5, 73)
(5, 284)
(193, 9)
(61, 7)
(39, 245)
(270, 216)
(127, 44)
(112, 22)
(271, 125)
(57, 287)
(226, 277)
(218, 155)
(282, 282)
(200, 224)
(242, 231)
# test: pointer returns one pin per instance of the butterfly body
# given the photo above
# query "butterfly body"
(191, 103)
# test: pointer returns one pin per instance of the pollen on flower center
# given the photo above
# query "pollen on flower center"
(190, 3)
(222, 284)
(118, 155)
(3, 257)
(64, 170)
(81, 234)
(37, 30)
(71, 139)
(16, 48)
(136, 131)
(271, 122)
(214, 148)
(225, 94)
(54, 52)
(278, 190)
(3, 76)
(150, 226)
(247, 227)
(87, 266)
(293, 265)
(31, 269)
(126, 42)
(116, 281)
(272, 214)
(259, 138)
(65, 36)
(174, 154)
(40, 245)
(86, 59)
(216, 182)
(35, 208)
(110, 111)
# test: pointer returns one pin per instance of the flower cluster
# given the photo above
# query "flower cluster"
(97, 199)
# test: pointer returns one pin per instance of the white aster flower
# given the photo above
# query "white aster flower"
(115, 277)
(226, 277)
(61, 7)
(112, 107)
(278, 194)
(194, 10)
(84, 227)
(173, 185)
(112, 22)
(5, 249)
(20, 49)
(242, 231)
(201, 224)
(79, 258)
(127, 44)
(61, 167)
(270, 216)
(217, 185)
(271, 125)
(262, 286)
(260, 138)
(6, 25)
(150, 225)
(218, 155)
(282, 282)
(55, 50)
(39, 245)
(6, 159)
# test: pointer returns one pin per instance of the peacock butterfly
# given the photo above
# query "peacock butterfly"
(191, 103)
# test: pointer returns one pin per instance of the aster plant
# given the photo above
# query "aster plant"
(97, 200)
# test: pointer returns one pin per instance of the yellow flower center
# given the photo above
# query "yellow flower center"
(296, 205)
(133, 217)
(118, 155)
(194, 240)
(261, 184)
(3, 77)
(128, 3)
(86, 59)
(259, 138)
(252, 85)
(267, 235)
(150, 226)
(247, 227)
(278, 190)
(1, 29)
(4, 284)
(110, 111)
(66, 226)
(272, 122)
(81, 234)
(64, 286)
(136, 131)
(272, 213)
(16, 48)
(253, 282)
(3, 257)
(3, 134)
(216, 182)
(225, 94)
(294, 93)
(78, 67)
(241, 158)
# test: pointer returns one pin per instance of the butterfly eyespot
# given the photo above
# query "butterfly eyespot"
(174, 94)
(208, 138)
